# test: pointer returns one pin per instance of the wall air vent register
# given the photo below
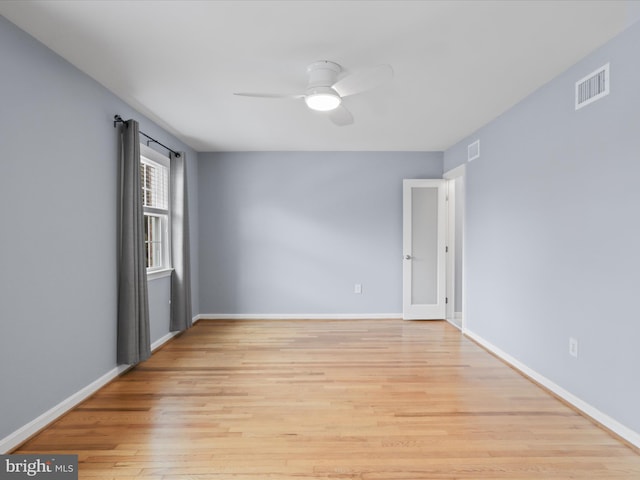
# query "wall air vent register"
(592, 87)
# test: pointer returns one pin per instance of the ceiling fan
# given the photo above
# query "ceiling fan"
(325, 91)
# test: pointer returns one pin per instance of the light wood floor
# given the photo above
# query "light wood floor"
(351, 399)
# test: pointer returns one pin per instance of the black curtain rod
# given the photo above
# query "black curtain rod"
(118, 119)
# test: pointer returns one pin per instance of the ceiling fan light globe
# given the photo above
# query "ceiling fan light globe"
(322, 100)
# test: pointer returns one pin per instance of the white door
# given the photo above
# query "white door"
(423, 238)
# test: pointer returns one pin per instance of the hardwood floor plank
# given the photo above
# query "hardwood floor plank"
(330, 399)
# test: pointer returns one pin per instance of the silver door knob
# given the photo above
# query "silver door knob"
(407, 257)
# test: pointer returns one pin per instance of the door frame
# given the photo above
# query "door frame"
(456, 174)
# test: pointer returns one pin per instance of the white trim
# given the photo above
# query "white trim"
(14, 439)
(156, 274)
(453, 323)
(298, 316)
(459, 173)
(154, 155)
(23, 433)
(451, 249)
(588, 410)
(456, 320)
(162, 340)
(456, 172)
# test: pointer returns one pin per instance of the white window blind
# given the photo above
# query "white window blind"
(155, 180)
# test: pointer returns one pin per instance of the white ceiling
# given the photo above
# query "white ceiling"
(458, 64)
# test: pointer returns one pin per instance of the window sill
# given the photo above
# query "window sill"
(156, 274)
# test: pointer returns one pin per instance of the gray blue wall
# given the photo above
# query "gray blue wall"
(58, 195)
(553, 233)
(292, 232)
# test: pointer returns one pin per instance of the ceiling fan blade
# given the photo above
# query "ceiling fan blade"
(341, 116)
(363, 80)
(267, 95)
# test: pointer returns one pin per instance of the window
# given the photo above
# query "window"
(154, 178)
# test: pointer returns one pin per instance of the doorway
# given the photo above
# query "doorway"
(455, 246)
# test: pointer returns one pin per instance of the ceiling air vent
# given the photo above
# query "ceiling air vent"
(473, 150)
(592, 87)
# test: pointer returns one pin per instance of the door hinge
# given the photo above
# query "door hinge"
(446, 299)
(446, 249)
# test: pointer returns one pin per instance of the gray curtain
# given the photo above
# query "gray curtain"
(134, 344)
(180, 249)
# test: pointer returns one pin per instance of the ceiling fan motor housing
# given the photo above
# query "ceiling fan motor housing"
(323, 73)
(320, 95)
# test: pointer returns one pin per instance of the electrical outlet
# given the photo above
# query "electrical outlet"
(573, 347)
(357, 288)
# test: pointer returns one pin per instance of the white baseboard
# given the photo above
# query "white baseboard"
(454, 322)
(296, 316)
(23, 433)
(606, 421)
(162, 340)
(14, 439)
